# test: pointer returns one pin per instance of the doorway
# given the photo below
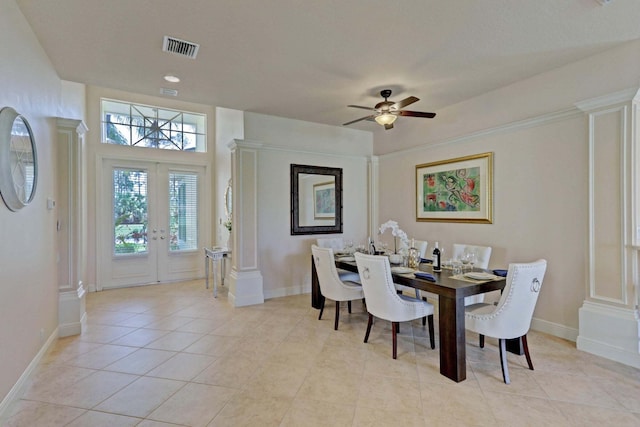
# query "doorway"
(150, 223)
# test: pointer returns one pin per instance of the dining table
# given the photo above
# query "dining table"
(451, 308)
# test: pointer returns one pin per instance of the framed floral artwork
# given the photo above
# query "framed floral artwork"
(456, 190)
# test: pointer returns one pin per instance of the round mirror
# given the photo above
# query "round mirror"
(18, 160)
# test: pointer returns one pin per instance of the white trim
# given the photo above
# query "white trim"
(517, 125)
(19, 387)
(374, 201)
(245, 288)
(288, 291)
(592, 104)
(622, 111)
(555, 329)
(610, 332)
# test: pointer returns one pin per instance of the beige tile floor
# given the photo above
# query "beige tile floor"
(167, 355)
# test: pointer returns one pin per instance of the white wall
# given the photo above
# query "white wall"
(28, 272)
(540, 174)
(285, 260)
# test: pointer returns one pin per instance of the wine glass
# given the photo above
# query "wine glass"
(473, 258)
(465, 259)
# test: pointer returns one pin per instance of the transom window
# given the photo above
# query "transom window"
(138, 125)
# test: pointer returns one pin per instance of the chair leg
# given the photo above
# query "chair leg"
(321, 308)
(349, 306)
(526, 351)
(335, 326)
(366, 336)
(503, 361)
(432, 335)
(481, 341)
(394, 334)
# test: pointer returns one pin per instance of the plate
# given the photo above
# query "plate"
(401, 270)
(479, 275)
(341, 253)
(346, 258)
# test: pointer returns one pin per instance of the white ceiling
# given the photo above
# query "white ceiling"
(309, 59)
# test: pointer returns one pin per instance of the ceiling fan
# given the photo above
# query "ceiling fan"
(386, 112)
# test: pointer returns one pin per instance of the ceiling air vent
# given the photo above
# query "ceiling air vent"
(168, 92)
(180, 47)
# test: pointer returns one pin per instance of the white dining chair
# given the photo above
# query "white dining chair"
(384, 302)
(511, 318)
(337, 244)
(330, 284)
(483, 255)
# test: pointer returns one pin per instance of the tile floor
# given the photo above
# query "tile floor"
(167, 355)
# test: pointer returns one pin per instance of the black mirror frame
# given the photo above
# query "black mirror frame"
(296, 229)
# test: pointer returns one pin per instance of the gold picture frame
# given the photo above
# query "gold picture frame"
(456, 190)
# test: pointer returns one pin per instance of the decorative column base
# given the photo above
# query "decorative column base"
(245, 288)
(72, 311)
(610, 332)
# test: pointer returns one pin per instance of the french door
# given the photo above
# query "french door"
(150, 222)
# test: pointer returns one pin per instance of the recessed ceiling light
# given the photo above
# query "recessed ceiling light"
(172, 79)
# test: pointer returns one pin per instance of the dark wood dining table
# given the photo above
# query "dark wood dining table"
(451, 294)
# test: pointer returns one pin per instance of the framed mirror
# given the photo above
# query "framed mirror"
(316, 200)
(18, 160)
(228, 202)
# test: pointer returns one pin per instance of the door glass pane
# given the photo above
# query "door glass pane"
(183, 211)
(130, 211)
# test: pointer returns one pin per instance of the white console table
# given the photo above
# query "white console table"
(217, 255)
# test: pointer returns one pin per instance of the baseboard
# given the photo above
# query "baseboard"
(610, 332)
(554, 329)
(286, 292)
(18, 388)
(610, 352)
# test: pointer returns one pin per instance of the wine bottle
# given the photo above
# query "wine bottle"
(436, 258)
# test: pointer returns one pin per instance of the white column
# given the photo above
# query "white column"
(71, 225)
(245, 278)
(374, 174)
(609, 324)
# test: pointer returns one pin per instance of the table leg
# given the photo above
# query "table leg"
(215, 279)
(453, 364)
(223, 272)
(515, 346)
(316, 295)
(206, 270)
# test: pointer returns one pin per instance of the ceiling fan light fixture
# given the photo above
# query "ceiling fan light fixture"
(385, 119)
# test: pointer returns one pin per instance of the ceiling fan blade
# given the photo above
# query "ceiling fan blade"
(364, 108)
(416, 114)
(389, 126)
(407, 101)
(357, 120)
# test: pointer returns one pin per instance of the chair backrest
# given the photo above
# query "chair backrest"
(421, 246)
(379, 290)
(330, 284)
(483, 253)
(513, 314)
(336, 243)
